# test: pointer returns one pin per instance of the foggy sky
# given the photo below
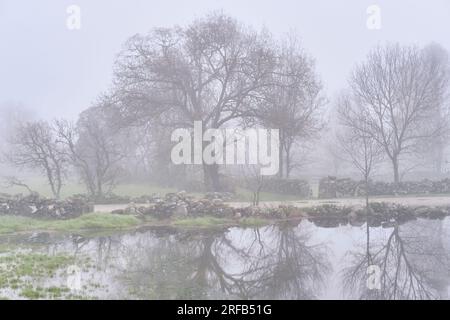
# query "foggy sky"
(58, 73)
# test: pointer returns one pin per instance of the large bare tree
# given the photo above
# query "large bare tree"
(211, 71)
(399, 90)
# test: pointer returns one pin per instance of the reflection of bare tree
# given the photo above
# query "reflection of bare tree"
(273, 262)
(412, 261)
(289, 267)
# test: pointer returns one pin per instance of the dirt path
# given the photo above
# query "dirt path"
(409, 201)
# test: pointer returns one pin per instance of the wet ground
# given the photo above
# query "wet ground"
(294, 260)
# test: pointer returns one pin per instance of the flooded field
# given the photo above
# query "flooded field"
(295, 260)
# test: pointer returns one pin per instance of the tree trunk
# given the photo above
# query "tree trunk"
(396, 173)
(99, 191)
(280, 160)
(211, 177)
(280, 156)
(288, 162)
(369, 258)
(210, 171)
(439, 160)
(366, 182)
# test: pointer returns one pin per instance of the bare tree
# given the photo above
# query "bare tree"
(293, 104)
(11, 181)
(211, 71)
(94, 150)
(434, 147)
(362, 149)
(333, 153)
(254, 181)
(36, 146)
(399, 90)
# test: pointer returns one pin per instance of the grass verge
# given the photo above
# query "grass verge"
(12, 224)
(108, 221)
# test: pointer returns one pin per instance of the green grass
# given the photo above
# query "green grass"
(11, 224)
(17, 269)
(32, 293)
(108, 222)
(136, 190)
(26, 273)
(253, 222)
(40, 185)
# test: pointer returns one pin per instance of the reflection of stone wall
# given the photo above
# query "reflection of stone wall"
(332, 187)
(35, 206)
(386, 215)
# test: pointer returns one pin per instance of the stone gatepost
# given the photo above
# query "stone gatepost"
(314, 185)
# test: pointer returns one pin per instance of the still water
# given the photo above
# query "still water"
(296, 260)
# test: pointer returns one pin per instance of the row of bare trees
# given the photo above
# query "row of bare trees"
(223, 73)
(60, 148)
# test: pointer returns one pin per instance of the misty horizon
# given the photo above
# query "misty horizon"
(57, 72)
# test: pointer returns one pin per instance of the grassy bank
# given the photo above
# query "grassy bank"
(108, 221)
(14, 224)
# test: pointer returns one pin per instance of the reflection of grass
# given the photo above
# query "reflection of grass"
(205, 222)
(253, 222)
(202, 222)
(10, 224)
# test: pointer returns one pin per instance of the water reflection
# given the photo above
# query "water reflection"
(286, 261)
(412, 259)
(276, 262)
